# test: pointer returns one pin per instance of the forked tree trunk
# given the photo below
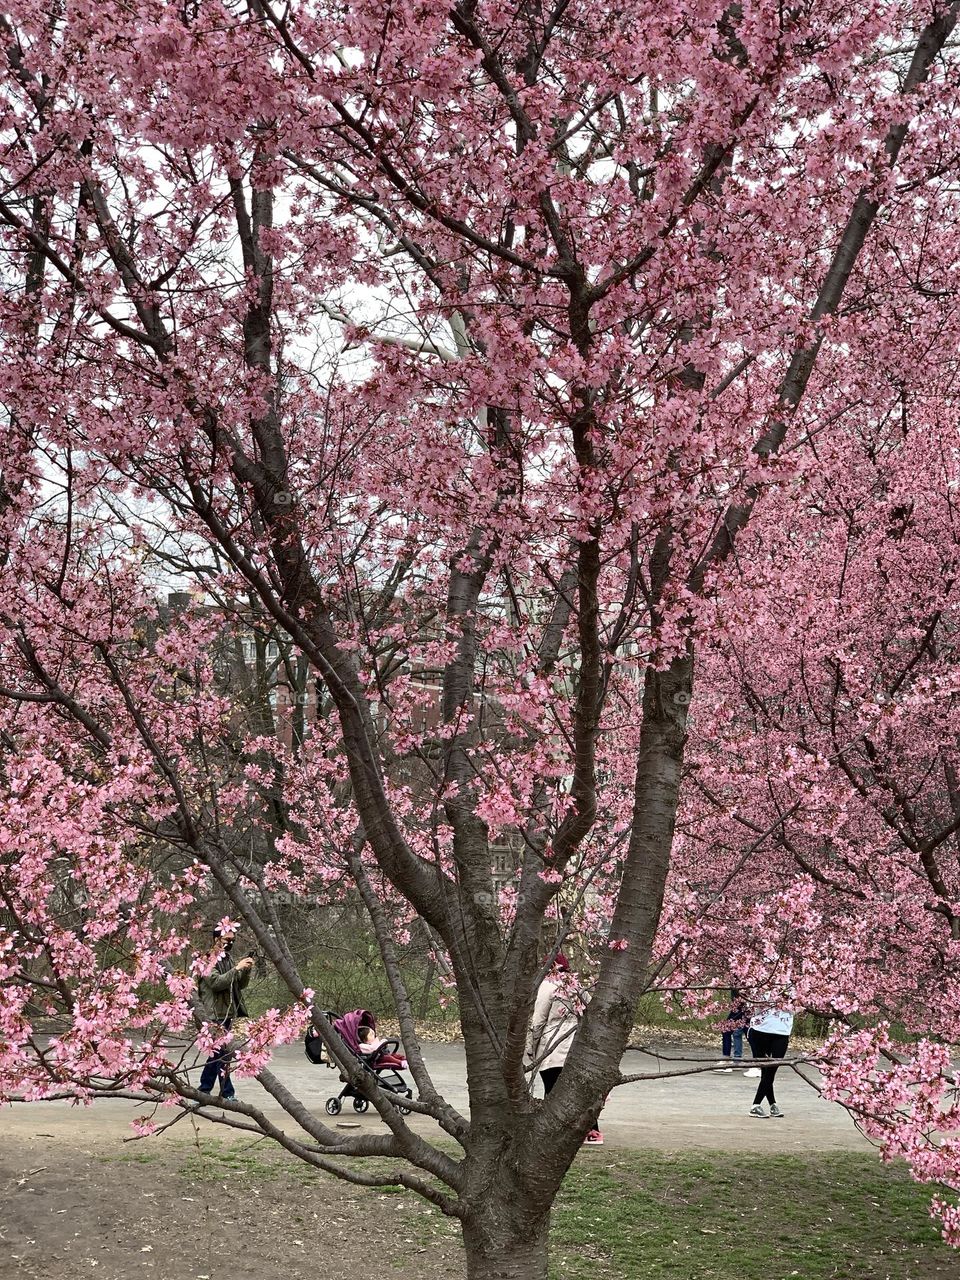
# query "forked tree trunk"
(513, 1170)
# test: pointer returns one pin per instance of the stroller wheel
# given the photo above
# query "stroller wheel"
(405, 1111)
(361, 1105)
(333, 1106)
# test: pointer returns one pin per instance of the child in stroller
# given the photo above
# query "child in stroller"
(379, 1053)
(380, 1059)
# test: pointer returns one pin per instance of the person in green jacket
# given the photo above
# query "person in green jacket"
(220, 1000)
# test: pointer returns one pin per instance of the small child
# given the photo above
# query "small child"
(369, 1047)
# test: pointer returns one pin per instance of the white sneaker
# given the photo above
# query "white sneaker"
(752, 1071)
(775, 1111)
(758, 1112)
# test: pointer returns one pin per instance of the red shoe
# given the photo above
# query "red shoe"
(593, 1139)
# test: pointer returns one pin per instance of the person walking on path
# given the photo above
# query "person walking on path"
(769, 1037)
(738, 1015)
(220, 1000)
(552, 1028)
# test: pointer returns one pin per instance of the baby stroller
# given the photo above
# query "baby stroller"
(387, 1077)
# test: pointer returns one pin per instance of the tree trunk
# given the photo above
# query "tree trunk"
(506, 1244)
(424, 1007)
(507, 1219)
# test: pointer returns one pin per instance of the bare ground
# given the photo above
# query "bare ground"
(72, 1208)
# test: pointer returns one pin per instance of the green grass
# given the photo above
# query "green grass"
(134, 1155)
(714, 1217)
(212, 1161)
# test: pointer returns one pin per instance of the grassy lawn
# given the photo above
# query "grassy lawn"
(710, 1217)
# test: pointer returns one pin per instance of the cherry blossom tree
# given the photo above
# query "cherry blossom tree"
(834, 728)
(496, 353)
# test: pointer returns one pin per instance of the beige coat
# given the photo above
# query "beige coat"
(552, 1028)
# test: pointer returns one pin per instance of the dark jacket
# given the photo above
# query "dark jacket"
(739, 1011)
(219, 995)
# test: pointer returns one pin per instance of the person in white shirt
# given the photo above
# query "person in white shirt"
(769, 1037)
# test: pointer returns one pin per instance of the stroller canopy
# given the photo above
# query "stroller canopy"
(348, 1026)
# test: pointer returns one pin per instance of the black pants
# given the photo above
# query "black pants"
(549, 1076)
(767, 1044)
